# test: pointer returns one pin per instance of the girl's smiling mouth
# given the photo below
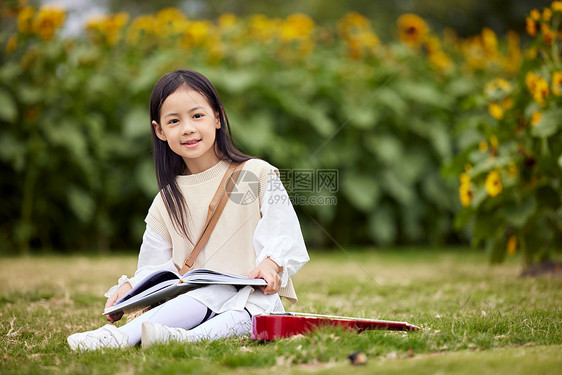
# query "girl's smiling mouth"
(191, 143)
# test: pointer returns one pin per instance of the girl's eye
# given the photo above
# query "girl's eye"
(198, 115)
(173, 121)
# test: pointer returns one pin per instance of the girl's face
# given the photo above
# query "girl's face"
(188, 124)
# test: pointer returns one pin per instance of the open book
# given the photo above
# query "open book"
(162, 285)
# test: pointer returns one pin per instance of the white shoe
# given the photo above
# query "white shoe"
(153, 333)
(107, 336)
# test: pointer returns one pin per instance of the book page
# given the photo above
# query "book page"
(203, 276)
(148, 282)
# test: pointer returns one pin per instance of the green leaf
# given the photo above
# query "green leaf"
(484, 164)
(13, 152)
(382, 227)
(388, 97)
(496, 250)
(8, 108)
(362, 191)
(255, 132)
(361, 117)
(486, 226)
(100, 84)
(69, 135)
(464, 218)
(81, 203)
(411, 219)
(320, 120)
(145, 177)
(150, 71)
(480, 194)
(9, 71)
(423, 93)
(437, 191)
(441, 140)
(29, 95)
(387, 148)
(518, 215)
(315, 114)
(436, 132)
(468, 138)
(137, 123)
(235, 81)
(549, 124)
(460, 86)
(397, 188)
(412, 166)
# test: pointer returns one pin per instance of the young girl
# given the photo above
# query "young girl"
(257, 236)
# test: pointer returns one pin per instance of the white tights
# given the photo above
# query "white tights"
(188, 313)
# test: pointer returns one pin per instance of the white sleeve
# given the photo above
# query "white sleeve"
(278, 234)
(155, 254)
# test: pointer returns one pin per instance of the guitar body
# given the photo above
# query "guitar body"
(271, 327)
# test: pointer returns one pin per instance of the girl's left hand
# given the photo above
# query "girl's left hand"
(269, 271)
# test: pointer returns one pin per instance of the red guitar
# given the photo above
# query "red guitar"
(274, 326)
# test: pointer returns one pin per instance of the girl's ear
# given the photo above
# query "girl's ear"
(217, 120)
(158, 130)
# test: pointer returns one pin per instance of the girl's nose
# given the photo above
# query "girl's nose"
(188, 127)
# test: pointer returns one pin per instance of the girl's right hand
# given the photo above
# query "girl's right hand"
(123, 289)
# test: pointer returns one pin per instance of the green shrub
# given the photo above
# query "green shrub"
(75, 149)
(511, 152)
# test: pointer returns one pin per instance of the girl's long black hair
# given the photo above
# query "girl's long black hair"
(167, 163)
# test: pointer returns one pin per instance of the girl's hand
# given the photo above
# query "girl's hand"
(269, 271)
(123, 289)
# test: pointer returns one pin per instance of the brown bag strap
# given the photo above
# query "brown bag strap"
(215, 209)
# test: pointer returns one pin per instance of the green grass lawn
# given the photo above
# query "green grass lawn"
(476, 318)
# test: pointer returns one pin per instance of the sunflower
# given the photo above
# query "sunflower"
(495, 110)
(11, 44)
(170, 21)
(556, 6)
(547, 35)
(25, 19)
(141, 27)
(497, 84)
(493, 184)
(546, 14)
(507, 103)
(512, 245)
(536, 118)
(465, 193)
(106, 28)
(530, 26)
(538, 87)
(413, 29)
(48, 20)
(483, 147)
(227, 20)
(535, 14)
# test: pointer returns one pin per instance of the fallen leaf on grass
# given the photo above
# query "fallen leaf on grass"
(358, 358)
